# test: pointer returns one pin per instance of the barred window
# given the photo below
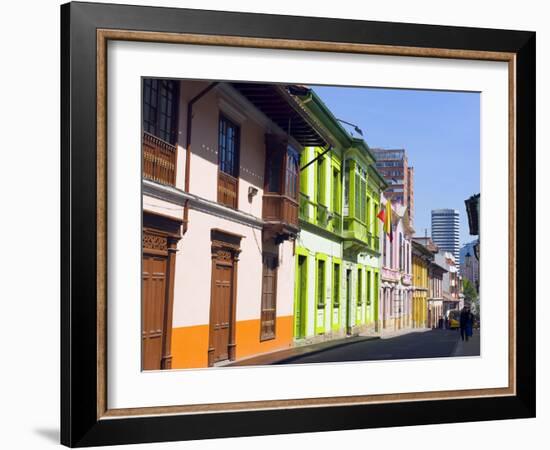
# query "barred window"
(228, 147)
(160, 108)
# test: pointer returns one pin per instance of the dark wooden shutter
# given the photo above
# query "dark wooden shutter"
(269, 297)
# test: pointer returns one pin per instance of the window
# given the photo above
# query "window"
(360, 195)
(376, 220)
(286, 161)
(228, 147)
(385, 259)
(359, 287)
(358, 204)
(160, 108)
(335, 190)
(368, 215)
(321, 182)
(368, 287)
(391, 249)
(269, 296)
(346, 190)
(376, 289)
(336, 285)
(320, 283)
(273, 172)
(401, 250)
(291, 173)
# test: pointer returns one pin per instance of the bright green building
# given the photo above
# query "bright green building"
(337, 251)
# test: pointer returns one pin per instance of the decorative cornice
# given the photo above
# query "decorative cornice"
(178, 197)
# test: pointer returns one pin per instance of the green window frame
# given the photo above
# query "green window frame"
(369, 286)
(359, 286)
(336, 283)
(348, 208)
(369, 213)
(321, 283)
(320, 181)
(360, 197)
(336, 189)
(375, 218)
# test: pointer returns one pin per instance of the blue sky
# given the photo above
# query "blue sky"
(438, 129)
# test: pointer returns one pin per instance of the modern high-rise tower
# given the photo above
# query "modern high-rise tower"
(446, 231)
(394, 167)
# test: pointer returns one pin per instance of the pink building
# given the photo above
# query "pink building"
(396, 290)
(220, 215)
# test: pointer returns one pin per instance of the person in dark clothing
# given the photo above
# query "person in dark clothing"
(466, 323)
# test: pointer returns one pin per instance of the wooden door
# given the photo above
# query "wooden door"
(222, 299)
(301, 295)
(153, 310)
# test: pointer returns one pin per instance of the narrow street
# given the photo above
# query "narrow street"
(430, 344)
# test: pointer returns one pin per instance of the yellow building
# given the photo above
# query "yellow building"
(421, 257)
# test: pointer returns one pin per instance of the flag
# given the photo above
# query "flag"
(382, 215)
(387, 223)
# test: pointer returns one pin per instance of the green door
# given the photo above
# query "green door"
(301, 296)
(348, 301)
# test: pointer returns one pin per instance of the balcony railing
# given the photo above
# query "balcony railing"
(356, 229)
(375, 243)
(280, 209)
(307, 208)
(227, 190)
(390, 274)
(159, 160)
(319, 215)
(336, 222)
(322, 216)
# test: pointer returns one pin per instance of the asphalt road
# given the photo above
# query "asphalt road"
(429, 344)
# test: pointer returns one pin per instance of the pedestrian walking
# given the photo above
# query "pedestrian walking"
(466, 323)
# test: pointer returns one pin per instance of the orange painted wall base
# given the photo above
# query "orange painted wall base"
(190, 344)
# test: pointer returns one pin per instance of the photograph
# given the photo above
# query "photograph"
(286, 223)
(272, 224)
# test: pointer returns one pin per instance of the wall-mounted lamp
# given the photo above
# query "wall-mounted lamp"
(252, 192)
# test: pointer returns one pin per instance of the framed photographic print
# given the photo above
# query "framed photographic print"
(277, 224)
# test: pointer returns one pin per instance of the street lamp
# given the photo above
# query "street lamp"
(355, 127)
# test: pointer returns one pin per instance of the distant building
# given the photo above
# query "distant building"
(469, 264)
(422, 256)
(451, 281)
(446, 231)
(393, 166)
(410, 192)
(433, 304)
(435, 295)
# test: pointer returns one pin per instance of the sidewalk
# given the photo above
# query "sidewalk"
(470, 348)
(287, 355)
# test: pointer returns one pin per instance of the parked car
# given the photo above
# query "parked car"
(453, 319)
